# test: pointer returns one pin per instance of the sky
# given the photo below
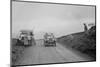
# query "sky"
(53, 18)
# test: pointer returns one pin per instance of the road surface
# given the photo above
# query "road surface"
(40, 55)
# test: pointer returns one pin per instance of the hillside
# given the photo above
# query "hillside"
(82, 41)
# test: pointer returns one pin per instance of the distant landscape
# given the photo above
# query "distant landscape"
(84, 42)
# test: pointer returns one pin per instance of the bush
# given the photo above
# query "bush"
(16, 51)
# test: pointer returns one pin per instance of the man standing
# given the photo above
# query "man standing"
(85, 27)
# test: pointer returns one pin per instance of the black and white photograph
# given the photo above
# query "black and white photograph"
(52, 33)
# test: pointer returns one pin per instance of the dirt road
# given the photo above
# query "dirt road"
(40, 55)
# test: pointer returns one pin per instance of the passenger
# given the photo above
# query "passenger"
(29, 39)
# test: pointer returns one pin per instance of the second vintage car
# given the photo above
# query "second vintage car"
(49, 40)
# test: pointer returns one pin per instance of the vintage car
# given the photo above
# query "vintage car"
(25, 38)
(49, 40)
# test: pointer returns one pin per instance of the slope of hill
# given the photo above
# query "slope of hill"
(82, 41)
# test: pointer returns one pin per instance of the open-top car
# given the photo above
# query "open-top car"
(49, 40)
